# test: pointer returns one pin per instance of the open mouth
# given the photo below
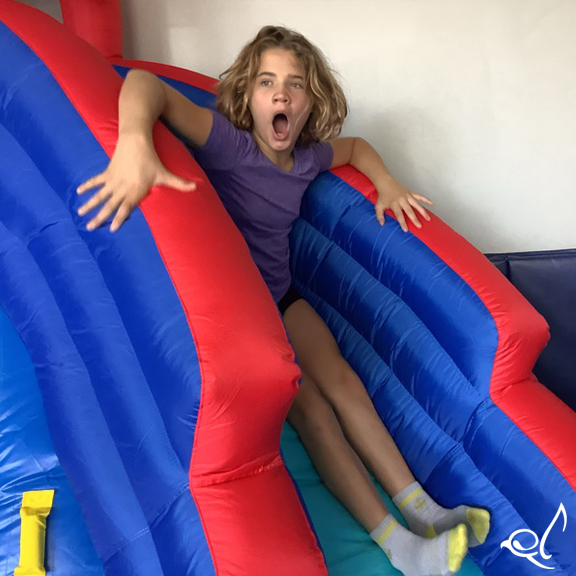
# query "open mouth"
(280, 125)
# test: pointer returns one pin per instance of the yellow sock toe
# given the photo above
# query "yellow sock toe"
(479, 520)
(457, 547)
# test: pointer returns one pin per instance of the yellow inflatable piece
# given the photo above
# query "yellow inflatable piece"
(36, 505)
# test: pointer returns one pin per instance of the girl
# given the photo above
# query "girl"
(279, 110)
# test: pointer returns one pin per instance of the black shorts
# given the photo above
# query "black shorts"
(289, 298)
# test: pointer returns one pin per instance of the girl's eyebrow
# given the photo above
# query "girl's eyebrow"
(293, 76)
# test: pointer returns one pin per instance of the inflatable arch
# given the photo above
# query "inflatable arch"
(145, 375)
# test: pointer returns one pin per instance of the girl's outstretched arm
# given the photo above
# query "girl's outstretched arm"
(391, 194)
(135, 167)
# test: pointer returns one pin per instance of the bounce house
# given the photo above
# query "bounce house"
(145, 375)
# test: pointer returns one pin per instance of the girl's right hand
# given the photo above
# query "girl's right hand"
(133, 170)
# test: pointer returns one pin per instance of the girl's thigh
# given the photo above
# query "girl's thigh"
(317, 352)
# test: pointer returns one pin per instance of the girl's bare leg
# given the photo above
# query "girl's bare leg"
(342, 470)
(334, 459)
(318, 356)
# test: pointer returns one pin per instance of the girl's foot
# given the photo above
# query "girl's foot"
(426, 518)
(417, 556)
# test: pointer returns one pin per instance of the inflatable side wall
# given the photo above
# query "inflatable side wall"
(165, 398)
(445, 346)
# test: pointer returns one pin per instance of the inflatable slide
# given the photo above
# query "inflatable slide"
(145, 375)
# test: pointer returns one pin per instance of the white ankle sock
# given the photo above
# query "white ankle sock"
(417, 556)
(426, 518)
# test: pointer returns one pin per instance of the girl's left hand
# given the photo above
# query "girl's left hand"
(401, 200)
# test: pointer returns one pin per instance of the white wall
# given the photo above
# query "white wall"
(472, 102)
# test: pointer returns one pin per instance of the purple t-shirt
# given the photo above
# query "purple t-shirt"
(262, 199)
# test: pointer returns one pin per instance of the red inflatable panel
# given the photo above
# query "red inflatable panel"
(99, 22)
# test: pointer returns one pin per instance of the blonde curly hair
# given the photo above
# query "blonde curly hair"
(329, 107)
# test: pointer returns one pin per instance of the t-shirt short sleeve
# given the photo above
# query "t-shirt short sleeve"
(225, 145)
(323, 153)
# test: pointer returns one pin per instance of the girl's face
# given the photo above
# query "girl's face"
(279, 104)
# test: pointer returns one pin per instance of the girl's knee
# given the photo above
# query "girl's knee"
(310, 413)
(342, 384)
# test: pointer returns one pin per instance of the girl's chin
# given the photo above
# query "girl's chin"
(280, 138)
(280, 145)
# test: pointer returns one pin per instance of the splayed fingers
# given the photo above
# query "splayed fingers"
(404, 206)
(119, 198)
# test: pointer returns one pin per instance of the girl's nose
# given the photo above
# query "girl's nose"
(281, 96)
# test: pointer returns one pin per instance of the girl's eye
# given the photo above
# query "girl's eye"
(265, 83)
(296, 85)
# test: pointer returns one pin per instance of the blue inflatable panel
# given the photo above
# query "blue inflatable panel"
(29, 463)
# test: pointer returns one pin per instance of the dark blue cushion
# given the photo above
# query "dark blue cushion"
(548, 281)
